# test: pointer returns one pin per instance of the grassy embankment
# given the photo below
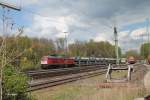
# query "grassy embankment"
(90, 89)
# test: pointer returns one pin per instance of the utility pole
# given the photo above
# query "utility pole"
(3, 59)
(66, 46)
(116, 45)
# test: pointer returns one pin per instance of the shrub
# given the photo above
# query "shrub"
(14, 84)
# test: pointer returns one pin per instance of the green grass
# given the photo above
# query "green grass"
(89, 89)
(67, 94)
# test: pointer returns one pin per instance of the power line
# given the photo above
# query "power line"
(11, 6)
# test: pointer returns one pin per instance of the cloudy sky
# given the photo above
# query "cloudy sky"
(84, 19)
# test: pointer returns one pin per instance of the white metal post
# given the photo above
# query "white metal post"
(129, 72)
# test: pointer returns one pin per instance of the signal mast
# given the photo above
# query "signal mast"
(116, 45)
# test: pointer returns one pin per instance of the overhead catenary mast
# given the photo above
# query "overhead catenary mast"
(116, 45)
(3, 59)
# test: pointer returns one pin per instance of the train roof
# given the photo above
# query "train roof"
(51, 56)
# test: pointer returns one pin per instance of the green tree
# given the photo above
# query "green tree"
(133, 53)
(92, 48)
(145, 50)
(25, 53)
(78, 49)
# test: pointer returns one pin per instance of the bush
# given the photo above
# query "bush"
(26, 64)
(14, 84)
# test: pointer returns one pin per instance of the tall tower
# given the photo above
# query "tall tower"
(116, 45)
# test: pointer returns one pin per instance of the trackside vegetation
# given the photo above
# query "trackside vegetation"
(145, 50)
(15, 84)
(22, 53)
(25, 53)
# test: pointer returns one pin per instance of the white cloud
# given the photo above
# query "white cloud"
(53, 27)
(29, 2)
(85, 18)
(137, 33)
(102, 37)
(123, 34)
(99, 38)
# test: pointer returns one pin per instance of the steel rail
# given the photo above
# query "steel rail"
(63, 80)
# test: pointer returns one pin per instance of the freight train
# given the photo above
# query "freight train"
(48, 62)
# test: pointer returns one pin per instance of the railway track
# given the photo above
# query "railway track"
(38, 74)
(64, 75)
(44, 71)
(60, 69)
(63, 79)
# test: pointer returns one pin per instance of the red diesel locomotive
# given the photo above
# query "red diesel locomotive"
(56, 62)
